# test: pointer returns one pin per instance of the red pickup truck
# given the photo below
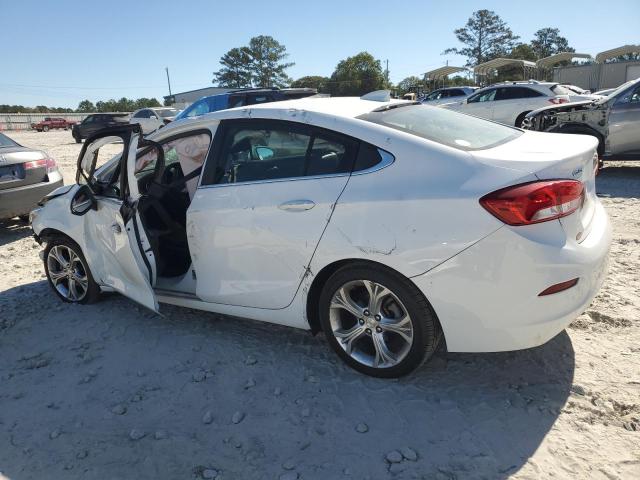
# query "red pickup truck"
(50, 123)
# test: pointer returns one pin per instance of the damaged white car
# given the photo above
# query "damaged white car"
(389, 226)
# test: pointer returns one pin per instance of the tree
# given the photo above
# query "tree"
(409, 84)
(235, 71)
(357, 75)
(266, 62)
(486, 36)
(548, 41)
(313, 81)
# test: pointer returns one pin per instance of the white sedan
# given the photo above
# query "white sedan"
(152, 119)
(391, 227)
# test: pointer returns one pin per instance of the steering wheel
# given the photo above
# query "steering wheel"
(172, 172)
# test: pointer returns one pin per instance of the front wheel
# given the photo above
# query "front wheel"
(68, 272)
(45, 129)
(377, 321)
(520, 119)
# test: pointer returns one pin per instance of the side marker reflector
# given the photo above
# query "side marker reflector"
(558, 287)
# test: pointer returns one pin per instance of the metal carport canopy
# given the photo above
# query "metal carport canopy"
(442, 72)
(496, 63)
(615, 52)
(550, 61)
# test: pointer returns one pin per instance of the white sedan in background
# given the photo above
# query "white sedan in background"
(509, 102)
(391, 227)
(151, 119)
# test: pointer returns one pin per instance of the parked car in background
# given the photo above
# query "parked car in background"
(390, 226)
(242, 97)
(509, 102)
(614, 120)
(52, 123)
(151, 119)
(95, 122)
(447, 95)
(26, 175)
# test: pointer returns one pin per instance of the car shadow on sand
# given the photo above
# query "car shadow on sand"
(252, 399)
(619, 180)
(13, 230)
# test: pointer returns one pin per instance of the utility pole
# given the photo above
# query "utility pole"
(168, 81)
(386, 72)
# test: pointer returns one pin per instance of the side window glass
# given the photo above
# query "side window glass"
(635, 95)
(330, 155)
(368, 157)
(504, 94)
(236, 101)
(262, 153)
(486, 96)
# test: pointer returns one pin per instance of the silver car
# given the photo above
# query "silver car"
(614, 120)
(447, 95)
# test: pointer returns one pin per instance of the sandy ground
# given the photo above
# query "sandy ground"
(111, 391)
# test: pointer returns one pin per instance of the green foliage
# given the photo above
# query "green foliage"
(86, 106)
(313, 81)
(357, 75)
(125, 104)
(38, 109)
(548, 41)
(235, 71)
(409, 84)
(485, 36)
(261, 64)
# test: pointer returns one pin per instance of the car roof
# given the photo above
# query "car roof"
(344, 107)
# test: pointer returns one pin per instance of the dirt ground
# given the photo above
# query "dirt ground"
(111, 391)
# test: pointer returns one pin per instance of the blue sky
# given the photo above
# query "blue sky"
(59, 52)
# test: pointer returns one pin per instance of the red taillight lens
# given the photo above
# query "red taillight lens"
(534, 202)
(48, 163)
(558, 287)
(558, 100)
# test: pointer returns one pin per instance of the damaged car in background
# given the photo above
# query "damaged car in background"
(614, 120)
(392, 227)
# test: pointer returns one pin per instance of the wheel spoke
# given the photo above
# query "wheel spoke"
(83, 281)
(383, 354)
(56, 276)
(342, 300)
(402, 327)
(377, 293)
(56, 252)
(347, 337)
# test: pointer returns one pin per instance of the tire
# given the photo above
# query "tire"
(45, 128)
(400, 323)
(521, 118)
(77, 139)
(83, 289)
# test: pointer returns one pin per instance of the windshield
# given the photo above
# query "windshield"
(6, 141)
(447, 127)
(169, 112)
(619, 90)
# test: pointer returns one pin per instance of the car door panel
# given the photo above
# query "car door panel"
(117, 248)
(624, 127)
(251, 243)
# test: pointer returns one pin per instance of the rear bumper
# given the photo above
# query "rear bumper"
(21, 200)
(487, 296)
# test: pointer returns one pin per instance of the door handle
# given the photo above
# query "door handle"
(116, 228)
(297, 205)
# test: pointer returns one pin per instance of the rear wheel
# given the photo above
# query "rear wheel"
(377, 321)
(68, 272)
(45, 128)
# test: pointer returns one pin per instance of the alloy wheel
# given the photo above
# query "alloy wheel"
(67, 273)
(371, 324)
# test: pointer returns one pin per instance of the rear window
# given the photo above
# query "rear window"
(447, 127)
(6, 141)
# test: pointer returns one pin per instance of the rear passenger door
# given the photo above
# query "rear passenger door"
(512, 101)
(266, 195)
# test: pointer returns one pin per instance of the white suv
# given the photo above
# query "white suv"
(509, 102)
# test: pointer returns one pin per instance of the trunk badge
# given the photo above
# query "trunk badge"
(577, 172)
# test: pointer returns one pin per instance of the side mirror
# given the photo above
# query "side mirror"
(83, 201)
(263, 153)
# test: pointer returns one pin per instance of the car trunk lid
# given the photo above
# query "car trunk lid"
(554, 156)
(20, 166)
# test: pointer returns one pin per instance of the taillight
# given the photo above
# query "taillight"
(48, 163)
(534, 202)
(558, 100)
